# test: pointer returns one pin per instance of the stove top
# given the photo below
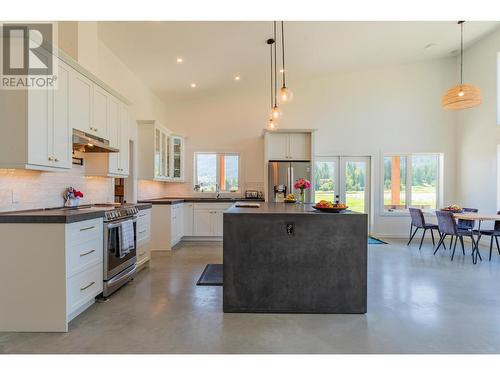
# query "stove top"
(112, 211)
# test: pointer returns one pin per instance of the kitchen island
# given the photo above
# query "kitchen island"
(290, 258)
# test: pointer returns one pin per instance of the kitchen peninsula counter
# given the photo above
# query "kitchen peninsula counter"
(290, 258)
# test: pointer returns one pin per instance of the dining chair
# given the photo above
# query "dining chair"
(493, 233)
(418, 221)
(465, 224)
(448, 226)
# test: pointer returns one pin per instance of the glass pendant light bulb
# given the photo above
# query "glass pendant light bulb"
(461, 93)
(272, 124)
(286, 95)
(276, 112)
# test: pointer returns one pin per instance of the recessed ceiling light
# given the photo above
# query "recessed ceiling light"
(193, 85)
(429, 45)
(237, 78)
(179, 60)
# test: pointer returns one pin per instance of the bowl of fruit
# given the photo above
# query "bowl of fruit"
(453, 208)
(290, 198)
(326, 206)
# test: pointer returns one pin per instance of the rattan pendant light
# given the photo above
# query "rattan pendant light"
(462, 96)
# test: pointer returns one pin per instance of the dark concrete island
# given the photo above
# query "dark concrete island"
(290, 258)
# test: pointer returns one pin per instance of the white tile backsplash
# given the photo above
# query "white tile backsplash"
(34, 189)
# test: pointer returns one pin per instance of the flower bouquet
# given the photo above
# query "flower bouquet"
(72, 197)
(302, 184)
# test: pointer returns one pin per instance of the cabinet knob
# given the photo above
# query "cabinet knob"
(51, 158)
(56, 159)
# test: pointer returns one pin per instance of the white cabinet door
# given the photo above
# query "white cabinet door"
(100, 112)
(114, 134)
(299, 146)
(180, 222)
(80, 102)
(278, 146)
(124, 140)
(188, 219)
(40, 137)
(62, 134)
(217, 222)
(177, 164)
(203, 222)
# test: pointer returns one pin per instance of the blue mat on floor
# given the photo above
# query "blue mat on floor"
(375, 241)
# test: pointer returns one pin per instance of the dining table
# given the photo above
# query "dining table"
(479, 217)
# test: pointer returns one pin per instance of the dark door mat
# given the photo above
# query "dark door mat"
(375, 241)
(211, 276)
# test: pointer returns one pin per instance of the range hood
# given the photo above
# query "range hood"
(85, 142)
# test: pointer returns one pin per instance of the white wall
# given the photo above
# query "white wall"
(478, 133)
(371, 112)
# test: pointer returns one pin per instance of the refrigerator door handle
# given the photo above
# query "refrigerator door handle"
(292, 180)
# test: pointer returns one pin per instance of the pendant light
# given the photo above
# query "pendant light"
(275, 111)
(462, 96)
(286, 95)
(272, 124)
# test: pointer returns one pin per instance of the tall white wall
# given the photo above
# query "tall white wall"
(478, 132)
(371, 112)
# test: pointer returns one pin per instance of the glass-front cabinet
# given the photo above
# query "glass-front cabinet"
(166, 150)
(177, 158)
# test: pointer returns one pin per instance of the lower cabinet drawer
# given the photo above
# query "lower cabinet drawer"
(143, 233)
(83, 255)
(83, 287)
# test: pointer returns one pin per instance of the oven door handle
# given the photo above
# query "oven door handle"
(119, 223)
(118, 278)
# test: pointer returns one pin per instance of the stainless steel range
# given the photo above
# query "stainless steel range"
(120, 245)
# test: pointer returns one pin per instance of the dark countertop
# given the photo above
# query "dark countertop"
(284, 209)
(177, 200)
(58, 215)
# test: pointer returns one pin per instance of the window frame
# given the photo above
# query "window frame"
(409, 181)
(217, 171)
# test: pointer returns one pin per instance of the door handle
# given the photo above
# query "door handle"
(86, 287)
(87, 228)
(87, 253)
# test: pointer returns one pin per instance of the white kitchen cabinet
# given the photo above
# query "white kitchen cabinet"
(177, 224)
(143, 238)
(289, 146)
(37, 134)
(100, 116)
(114, 164)
(81, 91)
(162, 153)
(62, 273)
(188, 219)
(177, 163)
(208, 219)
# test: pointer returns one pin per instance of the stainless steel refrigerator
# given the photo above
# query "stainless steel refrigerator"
(282, 176)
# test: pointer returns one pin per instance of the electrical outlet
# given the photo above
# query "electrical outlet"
(15, 196)
(290, 229)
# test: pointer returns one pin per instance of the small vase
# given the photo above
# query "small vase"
(302, 197)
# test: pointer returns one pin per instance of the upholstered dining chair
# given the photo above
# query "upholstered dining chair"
(418, 221)
(448, 226)
(465, 224)
(493, 233)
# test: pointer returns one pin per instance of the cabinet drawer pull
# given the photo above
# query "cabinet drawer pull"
(87, 253)
(143, 231)
(86, 287)
(87, 228)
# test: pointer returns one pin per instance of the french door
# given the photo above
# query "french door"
(347, 177)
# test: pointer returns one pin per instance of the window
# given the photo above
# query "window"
(212, 169)
(411, 181)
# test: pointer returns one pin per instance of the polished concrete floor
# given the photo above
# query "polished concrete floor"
(417, 303)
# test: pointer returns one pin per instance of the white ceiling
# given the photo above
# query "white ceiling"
(214, 52)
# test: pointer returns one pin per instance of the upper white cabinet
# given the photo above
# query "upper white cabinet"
(81, 92)
(162, 153)
(36, 126)
(289, 146)
(100, 116)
